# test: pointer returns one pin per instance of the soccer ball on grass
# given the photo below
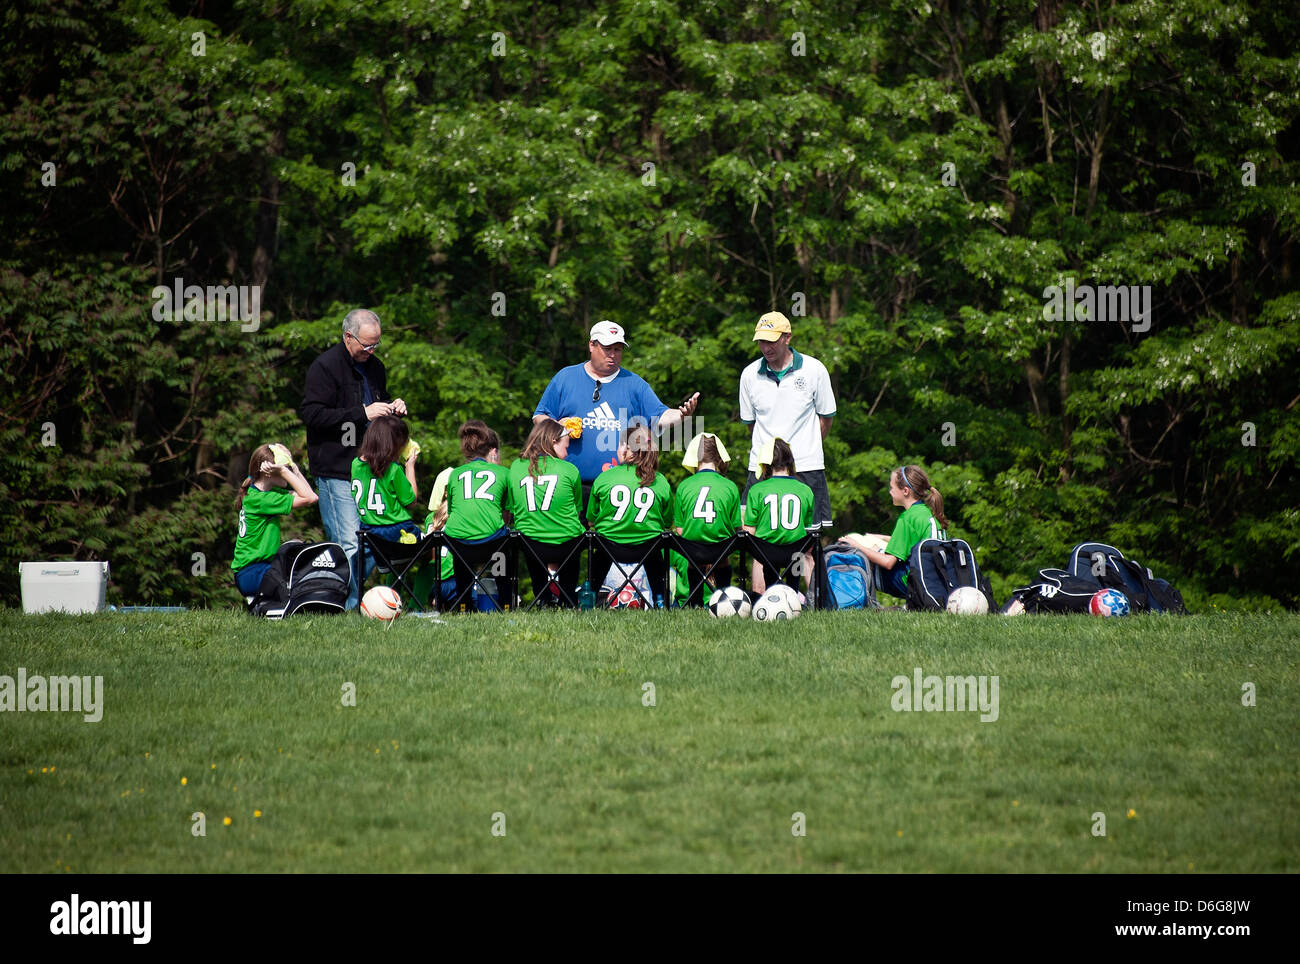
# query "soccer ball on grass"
(967, 601)
(778, 602)
(1109, 602)
(381, 603)
(729, 601)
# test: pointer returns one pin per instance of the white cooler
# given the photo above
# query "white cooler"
(73, 587)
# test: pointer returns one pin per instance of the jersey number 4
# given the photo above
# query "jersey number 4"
(704, 507)
(373, 503)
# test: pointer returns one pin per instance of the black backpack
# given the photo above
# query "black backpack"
(1057, 591)
(936, 568)
(1108, 566)
(303, 578)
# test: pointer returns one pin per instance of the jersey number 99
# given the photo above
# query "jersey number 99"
(621, 496)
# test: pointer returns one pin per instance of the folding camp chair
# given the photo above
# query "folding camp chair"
(703, 558)
(520, 544)
(602, 553)
(464, 554)
(793, 554)
(396, 559)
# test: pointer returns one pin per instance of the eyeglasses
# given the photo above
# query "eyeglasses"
(363, 346)
(595, 396)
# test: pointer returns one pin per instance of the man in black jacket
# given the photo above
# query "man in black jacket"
(347, 388)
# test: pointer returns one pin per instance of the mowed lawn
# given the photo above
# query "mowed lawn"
(536, 725)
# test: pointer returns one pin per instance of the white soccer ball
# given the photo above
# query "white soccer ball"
(968, 601)
(729, 601)
(779, 602)
(381, 603)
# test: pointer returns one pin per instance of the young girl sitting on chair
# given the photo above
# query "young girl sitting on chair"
(383, 483)
(778, 511)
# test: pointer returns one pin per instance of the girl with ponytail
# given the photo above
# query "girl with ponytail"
(262, 502)
(922, 518)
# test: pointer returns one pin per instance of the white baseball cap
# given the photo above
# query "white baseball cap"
(608, 333)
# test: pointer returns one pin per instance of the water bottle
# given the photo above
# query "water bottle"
(659, 600)
(586, 598)
(488, 600)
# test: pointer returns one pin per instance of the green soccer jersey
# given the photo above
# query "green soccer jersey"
(381, 501)
(477, 493)
(916, 523)
(780, 509)
(546, 506)
(259, 525)
(623, 510)
(707, 507)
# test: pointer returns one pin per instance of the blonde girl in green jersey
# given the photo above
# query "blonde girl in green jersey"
(262, 501)
(546, 499)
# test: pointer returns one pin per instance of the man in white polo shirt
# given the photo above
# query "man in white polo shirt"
(788, 395)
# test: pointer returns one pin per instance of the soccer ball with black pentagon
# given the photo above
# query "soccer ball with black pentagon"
(729, 601)
(779, 602)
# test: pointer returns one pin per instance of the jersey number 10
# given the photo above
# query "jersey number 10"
(787, 517)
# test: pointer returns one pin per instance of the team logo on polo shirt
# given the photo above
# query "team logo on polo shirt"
(800, 383)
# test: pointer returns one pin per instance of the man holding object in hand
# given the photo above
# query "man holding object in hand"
(347, 388)
(606, 397)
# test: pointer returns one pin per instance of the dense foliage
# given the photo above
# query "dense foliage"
(904, 179)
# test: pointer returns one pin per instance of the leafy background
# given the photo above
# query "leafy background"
(799, 157)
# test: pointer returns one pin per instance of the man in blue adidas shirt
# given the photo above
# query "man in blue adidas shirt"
(606, 397)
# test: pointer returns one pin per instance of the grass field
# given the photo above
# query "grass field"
(542, 718)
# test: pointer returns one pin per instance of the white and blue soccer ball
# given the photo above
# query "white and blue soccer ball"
(779, 602)
(729, 601)
(1109, 602)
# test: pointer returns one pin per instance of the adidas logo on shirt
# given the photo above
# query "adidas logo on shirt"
(602, 417)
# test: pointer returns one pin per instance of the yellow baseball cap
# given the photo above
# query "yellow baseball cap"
(772, 326)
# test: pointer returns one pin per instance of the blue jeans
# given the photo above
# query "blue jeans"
(891, 580)
(249, 579)
(393, 533)
(338, 513)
